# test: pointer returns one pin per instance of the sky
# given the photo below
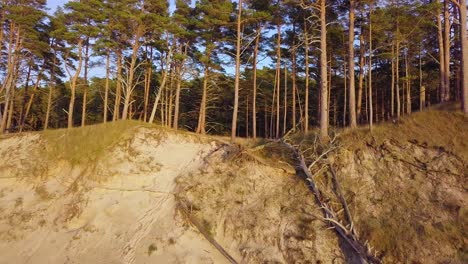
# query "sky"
(52, 4)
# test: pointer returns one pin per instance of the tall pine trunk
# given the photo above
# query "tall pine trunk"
(323, 73)
(237, 80)
(73, 84)
(85, 89)
(351, 85)
(361, 76)
(254, 88)
(446, 92)
(306, 102)
(278, 78)
(118, 89)
(371, 109)
(106, 91)
(464, 48)
(178, 87)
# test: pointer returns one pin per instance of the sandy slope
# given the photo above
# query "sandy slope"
(120, 210)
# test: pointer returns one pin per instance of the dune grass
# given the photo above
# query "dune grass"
(85, 144)
(434, 128)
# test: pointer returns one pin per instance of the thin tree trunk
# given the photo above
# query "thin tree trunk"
(371, 110)
(361, 75)
(464, 48)
(254, 90)
(106, 92)
(237, 80)
(446, 95)
(31, 99)
(171, 98)
(392, 88)
(285, 114)
(306, 102)
(408, 85)
(278, 80)
(323, 73)
(178, 87)
(345, 94)
(422, 89)
(25, 98)
(397, 80)
(161, 87)
(85, 90)
(51, 89)
(73, 82)
(352, 88)
(293, 77)
(202, 116)
(118, 88)
(131, 72)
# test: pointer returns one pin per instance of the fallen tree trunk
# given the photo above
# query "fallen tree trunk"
(345, 231)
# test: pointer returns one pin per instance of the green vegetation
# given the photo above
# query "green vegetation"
(86, 144)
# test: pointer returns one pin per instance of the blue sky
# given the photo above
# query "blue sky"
(52, 4)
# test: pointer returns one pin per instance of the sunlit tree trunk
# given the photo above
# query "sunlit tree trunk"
(106, 91)
(464, 48)
(73, 84)
(237, 80)
(352, 87)
(371, 109)
(293, 77)
(306, 102)
(254, 88)
(446, 92)
(118, 88)
(323, 73)
(278, 78)
(361, 75)
(85, 88)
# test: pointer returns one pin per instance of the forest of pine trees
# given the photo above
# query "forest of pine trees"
(252, 68)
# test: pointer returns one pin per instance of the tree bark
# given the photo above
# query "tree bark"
(371, 109)
(446, 94)
(306, 102)
(51, 89)
(397, 78)
(464, 47)
(73, 84)
(361, 75)
(85, 89)
(392, 88)
(178, 87)
(25, 98)
(352, 88)
(285, 114)
(237, 80)
(118, 88)
(293, 77)
(323, 73)
(106, 92)
(131, 72)
(161, 88)
(278, 79)
(408, 85)
(202, 116)
(254, 88)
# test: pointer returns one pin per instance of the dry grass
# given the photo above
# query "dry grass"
(432, 128)
(86, 144)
